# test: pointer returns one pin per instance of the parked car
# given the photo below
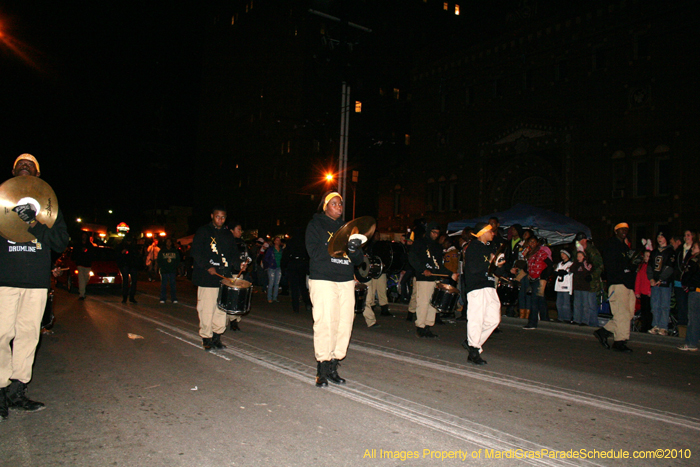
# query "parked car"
(104, 272)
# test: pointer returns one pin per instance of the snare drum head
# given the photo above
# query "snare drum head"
(447, 288)
(237, 284)
(362, 271)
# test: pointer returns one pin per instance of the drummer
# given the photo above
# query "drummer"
(332, 288)
(426, 258)
(25, 279)
(484, 306)
(215, 254)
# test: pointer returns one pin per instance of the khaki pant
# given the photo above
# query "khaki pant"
(333, 312)
(483, 315)
(211, 319)
(20, 319)
(425, 312)
(622, 303)
(412, 304)
(83, 278)
(377, 286)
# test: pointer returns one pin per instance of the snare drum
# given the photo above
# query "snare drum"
(360, 297)
(370, 268)
(235, 296)
(444, 298)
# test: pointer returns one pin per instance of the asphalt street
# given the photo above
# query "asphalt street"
(130, 385)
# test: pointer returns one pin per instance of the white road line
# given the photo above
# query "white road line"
(459, 428)
(569, 395)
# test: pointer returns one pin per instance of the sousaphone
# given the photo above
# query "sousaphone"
(25, 189)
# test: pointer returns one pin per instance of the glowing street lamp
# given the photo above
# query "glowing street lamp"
(329, 177)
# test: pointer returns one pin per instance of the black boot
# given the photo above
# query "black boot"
(124, 299)
(4, 412)
(216, 341)
(322, 369)
(333, 376)
(385, 311)
(132, 300)
(206, 343)
(16, 398)
(428, 334)
(621, 346)
(234, 326)
(602, 334)
(420, 332)
(410, 316)
(475, 356)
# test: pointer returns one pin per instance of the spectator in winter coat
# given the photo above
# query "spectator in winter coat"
(691, 281)
(595, 259)
(563, 286)
(581, 284)
(272, 262)
(660, 274)
(168, 263)
(642, 290)
(539, 259)
(682, 255)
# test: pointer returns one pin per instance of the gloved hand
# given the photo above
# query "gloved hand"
(354, 244)
(25, 212)
(562, 273)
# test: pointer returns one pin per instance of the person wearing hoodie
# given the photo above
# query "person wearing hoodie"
(691, 281)
(215, 254)
(660, 274)
(168, 263)
(621, 279)
(426, 258)
(331, 288)
(483, 304)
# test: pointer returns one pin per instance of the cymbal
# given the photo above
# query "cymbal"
(338, 246)
(22, 190)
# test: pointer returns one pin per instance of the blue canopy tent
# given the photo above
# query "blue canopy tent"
(555, 227)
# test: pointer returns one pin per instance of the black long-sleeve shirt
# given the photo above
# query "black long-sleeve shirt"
(212, 247)
(27, 265)
(477, 260)
(617, 264)
(426, 253)
(322, 266)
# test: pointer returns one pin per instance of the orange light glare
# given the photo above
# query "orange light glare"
(149, 234)
(329, 177)
(162, 234)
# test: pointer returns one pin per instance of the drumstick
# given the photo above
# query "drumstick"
(441, 275)
(243, 269)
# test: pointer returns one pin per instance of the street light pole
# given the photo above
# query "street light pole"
(343, 152)
(344, 112)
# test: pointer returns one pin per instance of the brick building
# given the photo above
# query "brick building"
(588, 110)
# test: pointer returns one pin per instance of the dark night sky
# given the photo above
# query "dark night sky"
(105, 98)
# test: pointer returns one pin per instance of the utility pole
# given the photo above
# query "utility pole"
(344, 116)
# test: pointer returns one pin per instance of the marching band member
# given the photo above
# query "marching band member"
(484, 306)
(214, 252)
(426, 258)
(331, 288)
(25, 279)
